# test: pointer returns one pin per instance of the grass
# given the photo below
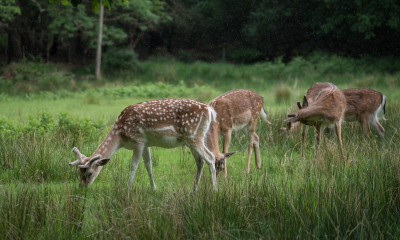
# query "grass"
(287, 198)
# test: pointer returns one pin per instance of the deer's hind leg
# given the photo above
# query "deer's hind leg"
(256, 146)
(147, 164)
(205, 155)
(378, 127)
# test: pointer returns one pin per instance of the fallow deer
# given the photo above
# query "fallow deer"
(365, 106)
(236, 109)
(323, 105)
(166, 123)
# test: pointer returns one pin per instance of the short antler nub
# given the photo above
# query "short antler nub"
(78, 154)
(87, 164)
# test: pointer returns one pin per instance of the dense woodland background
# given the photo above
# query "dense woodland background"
(211, 30)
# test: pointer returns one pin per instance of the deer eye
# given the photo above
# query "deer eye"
(90, 174)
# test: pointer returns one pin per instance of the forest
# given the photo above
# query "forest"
(209, 30)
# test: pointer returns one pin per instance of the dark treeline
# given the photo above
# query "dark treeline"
(210, 30)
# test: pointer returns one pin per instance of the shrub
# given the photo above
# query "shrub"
(116, 60)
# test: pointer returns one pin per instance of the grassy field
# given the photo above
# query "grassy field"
(288, 198)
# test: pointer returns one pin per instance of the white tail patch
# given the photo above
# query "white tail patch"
(264, 115)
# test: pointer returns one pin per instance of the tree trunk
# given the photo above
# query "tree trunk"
(99, 40)
(14, 49)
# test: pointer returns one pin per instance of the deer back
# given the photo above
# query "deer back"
(324, 103)
(361, 101)
(236, 108)
(166, 122)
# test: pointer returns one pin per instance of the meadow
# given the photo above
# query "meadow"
(48, 109)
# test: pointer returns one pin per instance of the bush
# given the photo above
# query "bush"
(116, 60)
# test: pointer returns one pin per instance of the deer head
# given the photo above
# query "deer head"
(88, 167)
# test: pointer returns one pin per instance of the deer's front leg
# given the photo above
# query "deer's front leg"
(317, 139)
(303, 136)
(147, 163)
(137, 153)
(227, 140)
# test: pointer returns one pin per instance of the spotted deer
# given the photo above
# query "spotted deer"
(236, 109)
(166, 123)
(323, 105)
(363, 105)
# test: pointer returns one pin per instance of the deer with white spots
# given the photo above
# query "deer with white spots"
(323, 105)
(236, 110)
(166, 123)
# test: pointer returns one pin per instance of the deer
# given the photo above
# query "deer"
(323, 105)
(363, 105)
(166, 123)
(236, 110)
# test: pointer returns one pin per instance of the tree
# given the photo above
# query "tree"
(99, 45)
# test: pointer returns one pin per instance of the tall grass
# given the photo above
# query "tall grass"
(289, 197)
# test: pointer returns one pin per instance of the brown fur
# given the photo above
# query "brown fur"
(235, 109)
(362, 104)
(323, 105)
(165, 123)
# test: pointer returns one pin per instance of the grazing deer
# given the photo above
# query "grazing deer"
(166, 123)
(323, 105)
(236, 109)
(365, 106)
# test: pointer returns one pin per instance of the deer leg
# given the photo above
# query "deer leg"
(256, 146)
(378, 127)
(209, 158)
(199, 164)
(249, 150)
(147, 163)
(135, 161)
(303, 136)
(338, 128)
(317, 139)
(227, 140)
(365, 125)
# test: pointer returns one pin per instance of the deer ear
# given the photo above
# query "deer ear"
(102, 162)
(299, 105)
(226, 155)
(305, 102)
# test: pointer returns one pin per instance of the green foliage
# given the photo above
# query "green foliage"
(29, 77)
(115, 60)
(8, 10)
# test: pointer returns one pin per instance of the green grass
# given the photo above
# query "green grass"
(287, 198)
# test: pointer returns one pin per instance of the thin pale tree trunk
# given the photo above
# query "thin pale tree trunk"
(99, 42)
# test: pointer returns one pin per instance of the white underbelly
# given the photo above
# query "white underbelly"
(166, 137)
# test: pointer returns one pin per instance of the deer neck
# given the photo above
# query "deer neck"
(212, 140)
(110, 144)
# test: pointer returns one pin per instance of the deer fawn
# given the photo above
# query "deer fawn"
(236, 109)
(323, 105)
(365, 105)
(166, 123)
